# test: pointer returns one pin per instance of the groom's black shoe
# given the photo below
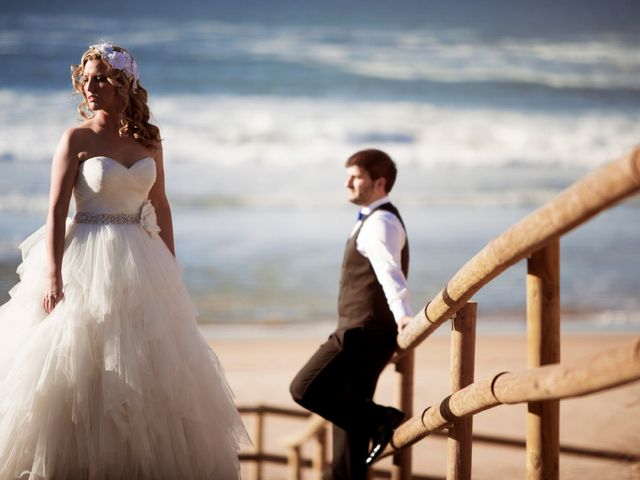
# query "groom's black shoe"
(391, 420)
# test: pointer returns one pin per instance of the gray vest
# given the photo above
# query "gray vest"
(361, 301)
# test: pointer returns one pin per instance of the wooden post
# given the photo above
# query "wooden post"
(543, 338)
(463, 348)
(401, 466)
(258, 440)
(319, 461)
(295, 467)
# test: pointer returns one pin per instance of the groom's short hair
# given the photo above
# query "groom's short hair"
(377, 164)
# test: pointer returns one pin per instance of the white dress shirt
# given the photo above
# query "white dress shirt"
(381, 240)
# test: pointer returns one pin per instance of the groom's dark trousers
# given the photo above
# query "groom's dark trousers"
(338, 383)
(339, 380)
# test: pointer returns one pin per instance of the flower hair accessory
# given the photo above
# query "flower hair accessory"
(119, 59)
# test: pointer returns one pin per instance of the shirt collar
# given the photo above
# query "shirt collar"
(373, 205)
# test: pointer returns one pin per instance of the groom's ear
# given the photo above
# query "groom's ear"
(380, 183)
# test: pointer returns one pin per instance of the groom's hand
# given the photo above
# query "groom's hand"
(403, 322)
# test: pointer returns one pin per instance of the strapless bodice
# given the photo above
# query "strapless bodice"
(106, 186)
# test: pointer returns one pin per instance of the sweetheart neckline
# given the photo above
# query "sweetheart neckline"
(117, 162)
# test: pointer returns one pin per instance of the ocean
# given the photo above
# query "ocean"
(489, 109)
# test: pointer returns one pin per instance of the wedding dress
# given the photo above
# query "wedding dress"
(117, 382)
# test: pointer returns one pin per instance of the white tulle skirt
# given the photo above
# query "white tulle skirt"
(117, 382)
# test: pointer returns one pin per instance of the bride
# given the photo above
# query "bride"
(103, 373)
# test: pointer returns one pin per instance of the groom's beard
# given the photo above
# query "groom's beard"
(361, 197)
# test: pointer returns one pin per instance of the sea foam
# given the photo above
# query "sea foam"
(293, 132)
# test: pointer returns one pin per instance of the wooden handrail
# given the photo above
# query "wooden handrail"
(595, 192)
(604, 370)
(274, 410)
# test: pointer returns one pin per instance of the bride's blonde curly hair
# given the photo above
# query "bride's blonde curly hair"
(135, 111)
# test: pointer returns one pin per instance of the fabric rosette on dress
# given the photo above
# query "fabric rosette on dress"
(148, 219)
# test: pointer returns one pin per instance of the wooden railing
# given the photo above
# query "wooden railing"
(536, 238)
(589, 196)
(314, 430)
(602, 371)
(258, 456)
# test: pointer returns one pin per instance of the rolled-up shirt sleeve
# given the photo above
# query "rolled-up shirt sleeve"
(381, 240)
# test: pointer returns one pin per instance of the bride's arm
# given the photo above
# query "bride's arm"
(159, 200)
(64, 169)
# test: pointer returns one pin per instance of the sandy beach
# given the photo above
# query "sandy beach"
(259, 371)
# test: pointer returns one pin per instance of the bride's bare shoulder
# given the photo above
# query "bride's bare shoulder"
(79, 133)
(75, 141)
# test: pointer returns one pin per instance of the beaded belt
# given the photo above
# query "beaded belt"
(106, 218)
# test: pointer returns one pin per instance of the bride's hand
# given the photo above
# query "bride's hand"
(52, 295)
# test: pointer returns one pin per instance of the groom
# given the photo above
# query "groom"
(339, 380)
